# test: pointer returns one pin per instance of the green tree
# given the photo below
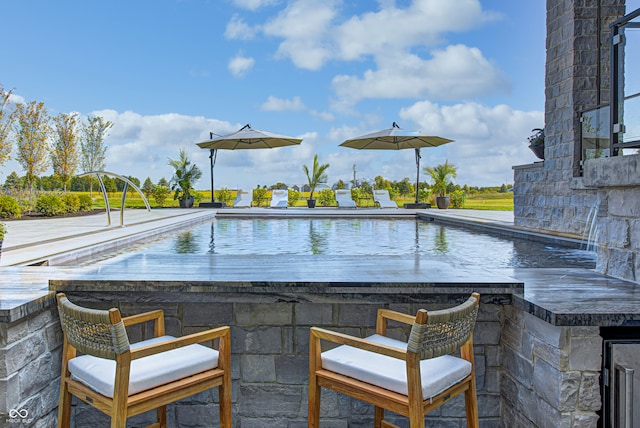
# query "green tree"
(13, 181)
(163, 182)
(340, 185)
(6, 121)
(64, 156)
(147, 186)
(92, 145)
(32, 131)
(404, 187)
(441, 177)
(317, 175)
(160, 194)
(380, 183)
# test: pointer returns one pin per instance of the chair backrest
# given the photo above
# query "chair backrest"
(445, 331)
(343, 194)
(381, 195)
(91, 331)
(243, 198)
(279, 197)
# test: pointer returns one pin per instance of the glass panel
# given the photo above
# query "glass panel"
(595, 133)
(630, 59)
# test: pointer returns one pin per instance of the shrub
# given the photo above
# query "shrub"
(294, 195)
(86, 204)
(9, 207)
(326, 198)
(3, 231)
(50, 205)
(259, 195)
(224, 195)
(160, 194)
(71, 202)
(457, 199)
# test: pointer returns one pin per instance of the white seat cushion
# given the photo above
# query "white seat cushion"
(437, 374)
(148, 372)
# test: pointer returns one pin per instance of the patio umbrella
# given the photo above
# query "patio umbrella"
(396, 138)
(244, 139)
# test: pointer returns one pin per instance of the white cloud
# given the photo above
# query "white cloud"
(240, 65)
(304, 26)
(393, 29)
(488, 140)
(238, 29)
(458, 72)
(140, 145)
(279, 104)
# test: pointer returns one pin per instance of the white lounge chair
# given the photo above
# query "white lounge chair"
(244, 199)
(381, 198)
(279, 198)
(344, 200)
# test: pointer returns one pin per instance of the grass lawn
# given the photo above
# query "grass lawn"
(490, 201)
(481, 201)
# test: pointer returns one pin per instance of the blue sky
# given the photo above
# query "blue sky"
(168, 72)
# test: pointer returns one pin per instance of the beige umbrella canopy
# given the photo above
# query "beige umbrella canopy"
(396, 138)
(244, 139)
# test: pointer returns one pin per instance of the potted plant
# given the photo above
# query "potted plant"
(536, 142)
(315, 176)
(186, 174)
(441, 178)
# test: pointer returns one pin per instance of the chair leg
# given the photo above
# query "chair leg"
(64, 408)
(378, 417)
(471, 404)
(224, 393)
(313, 416)
(162, 416)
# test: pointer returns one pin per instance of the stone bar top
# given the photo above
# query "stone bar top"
(303, 278)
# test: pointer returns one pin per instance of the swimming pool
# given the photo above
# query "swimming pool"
(357, 237)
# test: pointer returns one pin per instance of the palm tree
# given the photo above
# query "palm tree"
(185, 176)
(316, 176)
(441, 177)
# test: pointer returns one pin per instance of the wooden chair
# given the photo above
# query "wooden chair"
(410, 379)
(124, 380)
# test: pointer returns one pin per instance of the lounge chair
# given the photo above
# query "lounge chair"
(344, 200)
(279, 198)
(243, 200)
(381, 198)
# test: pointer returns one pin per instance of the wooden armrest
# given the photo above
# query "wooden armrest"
(143, 317)
(356, 342)
(396, 316)
(180, 342)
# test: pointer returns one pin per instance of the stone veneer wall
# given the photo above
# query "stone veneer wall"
(30, 356)
(529, 372)
(547, 196)
(550, 375)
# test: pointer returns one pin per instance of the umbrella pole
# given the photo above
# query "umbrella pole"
(212, 159)
(417, 173)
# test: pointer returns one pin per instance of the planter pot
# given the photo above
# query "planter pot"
(186, 203)
(442, 202)
(311, 203)
(538, 151)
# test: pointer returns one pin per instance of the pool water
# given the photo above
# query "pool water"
(361, 237)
